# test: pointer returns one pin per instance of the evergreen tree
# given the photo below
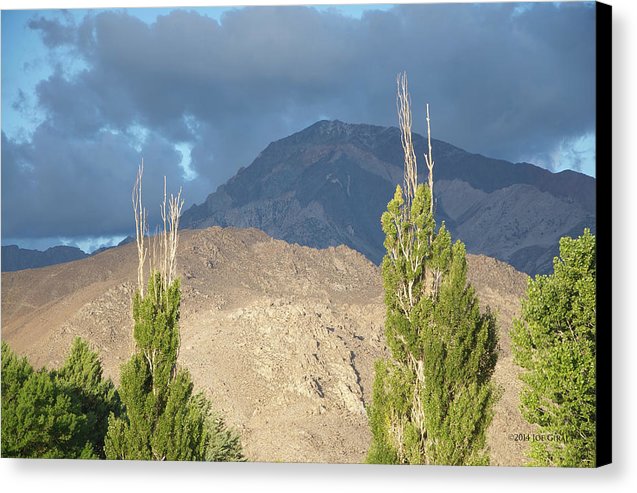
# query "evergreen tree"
(82, 377)
(433, 399)
(15, 371)
(224, 444)
(54, 414)
(554, 341)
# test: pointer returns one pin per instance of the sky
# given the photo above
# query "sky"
(199, 92)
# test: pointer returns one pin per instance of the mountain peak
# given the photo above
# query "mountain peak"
(330, 183)
(336, 132)
(340, 127)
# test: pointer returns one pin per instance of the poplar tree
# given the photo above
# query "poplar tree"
(554, 342)
(164, 419)
(433, 399)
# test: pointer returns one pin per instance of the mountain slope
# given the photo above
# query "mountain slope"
(329, 184)
(282, 338)
(15, 258)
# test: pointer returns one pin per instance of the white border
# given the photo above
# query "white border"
(49, 476)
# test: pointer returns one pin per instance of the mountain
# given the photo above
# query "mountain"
(282, 338)
(329, 184)
(16, 258)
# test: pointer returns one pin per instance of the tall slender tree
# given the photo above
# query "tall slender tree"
(433, 399)
(163, 419)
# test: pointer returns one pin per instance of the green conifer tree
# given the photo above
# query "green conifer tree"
(55, 414)
(554, 342)
(96, 397)
(433, 399)
(15, 371)
(224, 443)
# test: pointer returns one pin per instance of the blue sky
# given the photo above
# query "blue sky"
(86, 93)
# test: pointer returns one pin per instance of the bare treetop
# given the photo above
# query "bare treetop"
(163, 250)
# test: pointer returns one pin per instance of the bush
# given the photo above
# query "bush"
(554, 342)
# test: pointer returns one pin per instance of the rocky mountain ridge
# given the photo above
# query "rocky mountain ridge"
(16, 258)
(329, 184)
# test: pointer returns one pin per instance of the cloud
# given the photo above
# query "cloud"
(54, 32)
(81, 188)
(576, 153)
(502, 81)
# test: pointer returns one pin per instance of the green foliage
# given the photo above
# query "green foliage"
(433, 400)
(554, 341)
(15, 372)
(224, 444)
(55, 414)
(389, 395)
(96, 397)
(164, 420)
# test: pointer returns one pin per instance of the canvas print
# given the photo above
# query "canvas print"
(334, 233)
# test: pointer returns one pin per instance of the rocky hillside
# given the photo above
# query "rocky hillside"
(329, 184)
(281, 337)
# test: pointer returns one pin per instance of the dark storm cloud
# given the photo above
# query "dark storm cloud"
(79, 188)
(501, 81)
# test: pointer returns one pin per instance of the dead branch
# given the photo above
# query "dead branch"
(429, 161)
(175, 206)
(164, 239)
(162, 256)
(140, 227)
(170, 212)
(403, 105)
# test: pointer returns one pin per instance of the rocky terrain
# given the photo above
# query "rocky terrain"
(281, 337)
(329, 184)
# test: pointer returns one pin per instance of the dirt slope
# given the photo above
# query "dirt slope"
(282, 338)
